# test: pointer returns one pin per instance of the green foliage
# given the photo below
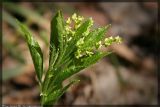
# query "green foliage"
(73, 47)
(35, 51)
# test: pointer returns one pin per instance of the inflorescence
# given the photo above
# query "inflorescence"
(73, 23)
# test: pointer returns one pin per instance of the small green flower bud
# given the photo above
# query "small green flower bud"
(109, 41)
(78, 54)
(74, 16)
(89, 53)
(77, 25)
(118, 39)
(67, 28)
(69, 39)
(98, 45)
(80, 42)
(86, 33)
(73, 33)
(80, 18)
(91, 21)
(68, 21)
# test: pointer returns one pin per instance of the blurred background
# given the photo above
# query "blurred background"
(128, 76)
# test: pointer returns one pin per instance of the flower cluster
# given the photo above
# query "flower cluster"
(110, 40)
(73, 23)
(91, 50)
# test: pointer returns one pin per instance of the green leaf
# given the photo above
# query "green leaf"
(67, 73)
(83, 28)
(53, 73)
(85, 62)
(94, 37)
(56, 39)
(93, 59)
(56, 94)
(35, 50)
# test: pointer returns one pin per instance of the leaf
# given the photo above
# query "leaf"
(35, 50)
(56, 94)
(67, 73)
(85, 62)
(56, 44)
(83, 28)
(93, 59)
(94, 37)
(49, 81)
(56, 39)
